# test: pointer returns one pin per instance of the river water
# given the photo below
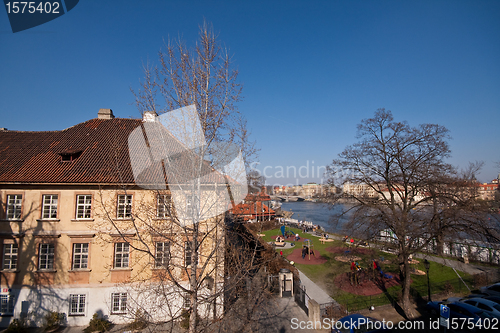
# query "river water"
(315, 212)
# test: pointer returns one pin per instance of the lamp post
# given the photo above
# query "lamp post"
(427, 264)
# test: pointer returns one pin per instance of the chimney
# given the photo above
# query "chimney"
(105, 114)
(149, 116)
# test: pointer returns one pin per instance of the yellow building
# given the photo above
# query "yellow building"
(78, 235)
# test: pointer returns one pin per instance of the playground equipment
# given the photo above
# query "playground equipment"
(307, 248)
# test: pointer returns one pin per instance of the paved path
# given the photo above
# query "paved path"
(314, 291)
(458, 265)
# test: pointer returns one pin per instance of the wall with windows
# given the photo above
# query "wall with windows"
(60, 251)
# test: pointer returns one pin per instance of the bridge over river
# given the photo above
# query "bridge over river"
(287, 198)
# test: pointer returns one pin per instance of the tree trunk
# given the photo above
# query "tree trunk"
(405, 275)
(439, 244)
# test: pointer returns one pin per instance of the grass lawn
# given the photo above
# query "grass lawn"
(324, 274)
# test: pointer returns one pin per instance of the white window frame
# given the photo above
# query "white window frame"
(83, 206)
(188, 253)
(121, 258)
(49, 206)
(119, 303)
(10, 253)
(80, 256)
(186, 302)
(162, 254)
(124, 206)
(7, 304)
(77, 304)
(14, 206)
(46, 254)
(163, 206)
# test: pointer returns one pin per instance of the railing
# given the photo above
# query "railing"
(301, 297)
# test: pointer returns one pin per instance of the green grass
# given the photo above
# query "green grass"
(442, 278)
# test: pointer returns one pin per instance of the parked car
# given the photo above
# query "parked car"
(493, 290)
(484, 304)
(460, 310)
(495, 299)
(463, 298)
(357, 323)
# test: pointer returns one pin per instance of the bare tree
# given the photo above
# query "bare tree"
(202, 76)
(405, 188)
(183, 164)
(255, 181)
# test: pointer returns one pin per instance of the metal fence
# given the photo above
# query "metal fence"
(301, 297)
(273, 282)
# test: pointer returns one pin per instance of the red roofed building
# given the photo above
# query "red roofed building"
(487, 191)
(255, 207)
(61, 195)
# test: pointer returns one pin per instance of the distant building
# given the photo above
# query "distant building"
(487, 191)
(255, 207)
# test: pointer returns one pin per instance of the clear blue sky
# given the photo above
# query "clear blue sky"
(311, 70)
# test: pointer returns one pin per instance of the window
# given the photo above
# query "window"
(124, 209)
(7, 304)
(186, 304)
(9, 256)
(46, 256)
(162, 254)
(163, 206)
(188, 254)
(80, 255)
(49, 207)
(14, 204)
(77, 304)
(189, 208)
(121, 255)
(119, 302)
(83, 206)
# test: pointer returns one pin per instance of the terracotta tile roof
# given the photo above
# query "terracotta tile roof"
(36, 157)
(252, 209)
(96, 152)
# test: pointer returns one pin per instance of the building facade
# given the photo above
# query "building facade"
(78, 236)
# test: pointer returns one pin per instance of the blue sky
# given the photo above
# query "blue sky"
(311, 70)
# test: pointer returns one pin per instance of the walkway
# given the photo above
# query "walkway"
(458, 265)
(314, 291)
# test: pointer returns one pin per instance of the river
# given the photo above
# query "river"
(315, 212)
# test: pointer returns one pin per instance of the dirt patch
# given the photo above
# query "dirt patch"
(348, 258)
(417, 272)
(316, 259)
(368, 285)
(351, 251)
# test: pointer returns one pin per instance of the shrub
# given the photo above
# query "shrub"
(16, 326)
(100, 324)
(448, 288)
(54, 320)
(140, 322)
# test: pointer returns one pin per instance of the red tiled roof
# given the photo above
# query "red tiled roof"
(252, 209)
(99, 145)
(34, 157)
